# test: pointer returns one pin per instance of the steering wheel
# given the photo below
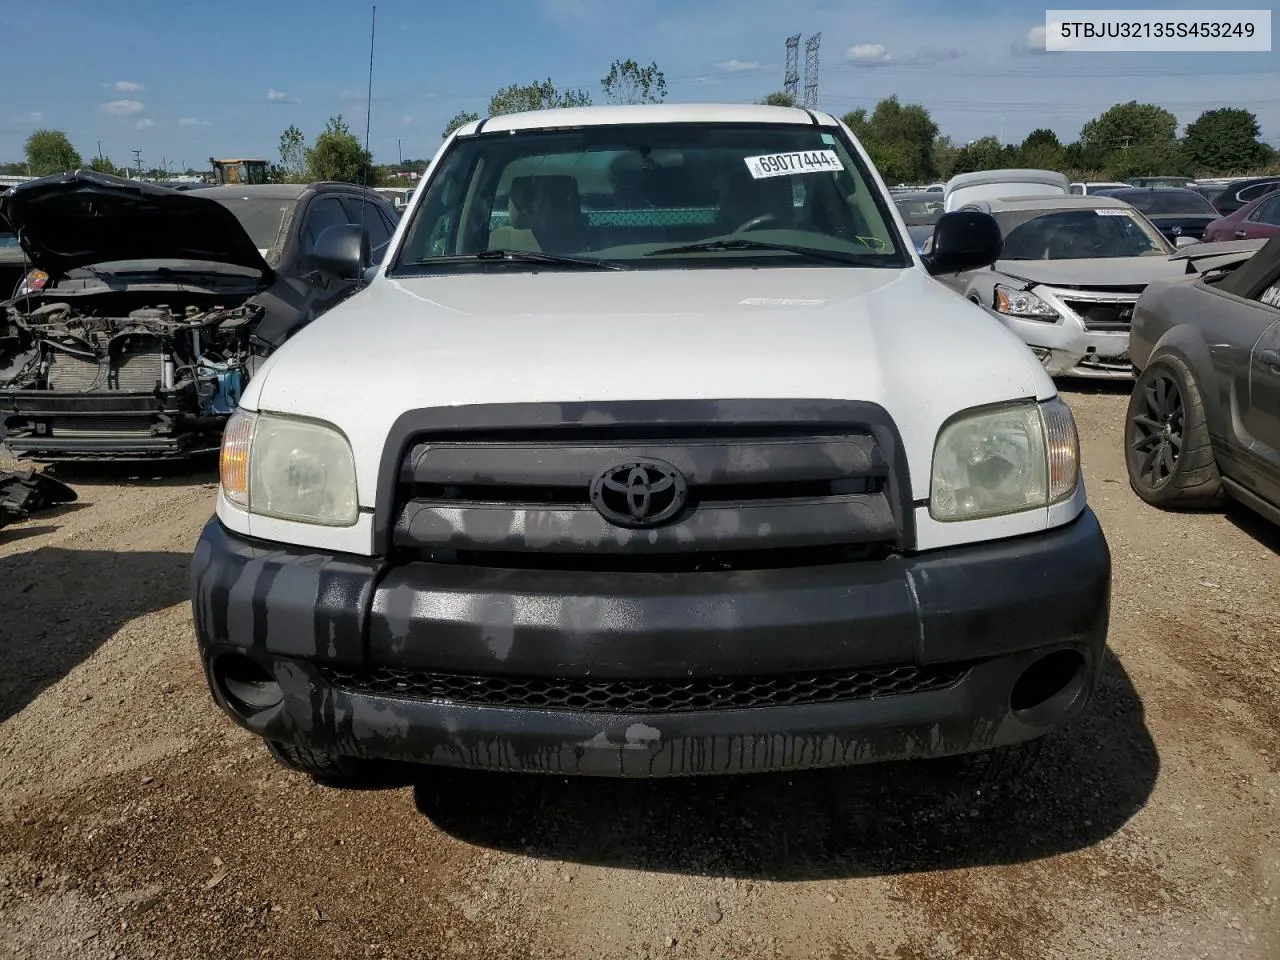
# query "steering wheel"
(756, 222)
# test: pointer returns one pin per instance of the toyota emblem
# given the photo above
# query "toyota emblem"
(643, 493)
(1176, 231)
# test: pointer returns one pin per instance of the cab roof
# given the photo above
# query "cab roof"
(1051, 202)
(647, 113)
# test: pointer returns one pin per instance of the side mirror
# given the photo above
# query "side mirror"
(964, 240)
(1181, 242)
(343, 250)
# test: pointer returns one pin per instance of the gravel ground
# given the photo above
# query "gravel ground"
(137, 821)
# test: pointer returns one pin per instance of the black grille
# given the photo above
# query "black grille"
(649, 696)
(480, 500)
(1103, 316)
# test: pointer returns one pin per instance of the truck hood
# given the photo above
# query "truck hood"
(898, 338)
(78, 219)
(1093, 274)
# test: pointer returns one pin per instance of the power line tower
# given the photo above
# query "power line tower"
(811, 71)
(137, 161)
(791, 80)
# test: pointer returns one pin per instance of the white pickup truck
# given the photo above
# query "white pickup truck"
(652, 448)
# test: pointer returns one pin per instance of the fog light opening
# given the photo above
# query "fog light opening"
(248, 686)
(1048, 687)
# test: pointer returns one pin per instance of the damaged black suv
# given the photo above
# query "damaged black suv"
(148, 309)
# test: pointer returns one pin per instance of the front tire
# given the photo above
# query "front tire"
(328, 768)
(1168, 453)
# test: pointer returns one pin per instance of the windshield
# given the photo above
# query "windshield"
(1170, 202)
(639, 195)
(263, 218)
(920, 212)
(1078, 234)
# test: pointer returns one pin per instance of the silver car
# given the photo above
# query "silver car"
(1071, 270)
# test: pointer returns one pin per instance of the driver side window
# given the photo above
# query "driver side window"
(1268, 212)
(322, 213)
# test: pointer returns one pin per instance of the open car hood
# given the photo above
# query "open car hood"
(77, 219)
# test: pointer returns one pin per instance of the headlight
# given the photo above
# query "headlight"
(1022, 303)
(289, 468)
(34, 281)
(1005, 459)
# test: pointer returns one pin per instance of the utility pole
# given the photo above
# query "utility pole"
(400, 148)
(1002, 131)
(137, 161)
(811, 71)
(791, 79)
(99, 149)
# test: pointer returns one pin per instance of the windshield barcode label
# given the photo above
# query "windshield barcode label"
(785, 164)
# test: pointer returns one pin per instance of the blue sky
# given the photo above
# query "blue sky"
(182, 82)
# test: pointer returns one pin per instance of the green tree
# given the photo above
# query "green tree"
(104, 165)
(338, 155)
(1127, 124)
(944, 156)
(49, 151)
(899, 138)
(628, 82)
(459, 120)
(517, 98)
(779, 98)
(1041, 150)
(985, 153)
(293, 151)
(856, 121)
(1224, 141)
(1123, 126)
(1147, 160)
(893, 160)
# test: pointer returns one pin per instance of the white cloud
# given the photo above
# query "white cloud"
(35, 116)
(274, 94)
(926, 55)
(737, 66)
(126, 86)
(707, 81)
(193, 122)
(144, 123)
(122, 108)
(351, 95)
(868, 52)
(1034, 44)
(876, 54)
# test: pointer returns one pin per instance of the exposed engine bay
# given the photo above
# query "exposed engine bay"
(166, 367)
(65, 346)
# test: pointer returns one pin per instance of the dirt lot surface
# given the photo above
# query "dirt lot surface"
(137, 821)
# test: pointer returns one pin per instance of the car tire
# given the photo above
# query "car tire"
(1168, 453)
(323, 767)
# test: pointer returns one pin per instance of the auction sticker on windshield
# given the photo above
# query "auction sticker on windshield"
(785, 164)
(1111, 212)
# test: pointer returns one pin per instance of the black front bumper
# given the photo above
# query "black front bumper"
(105, 424)
(324, 626)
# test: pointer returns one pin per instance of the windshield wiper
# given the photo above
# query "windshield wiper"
(525, 256)
(741, 243)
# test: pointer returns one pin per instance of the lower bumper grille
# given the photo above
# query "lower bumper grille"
(99, 426)
(649, 696)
